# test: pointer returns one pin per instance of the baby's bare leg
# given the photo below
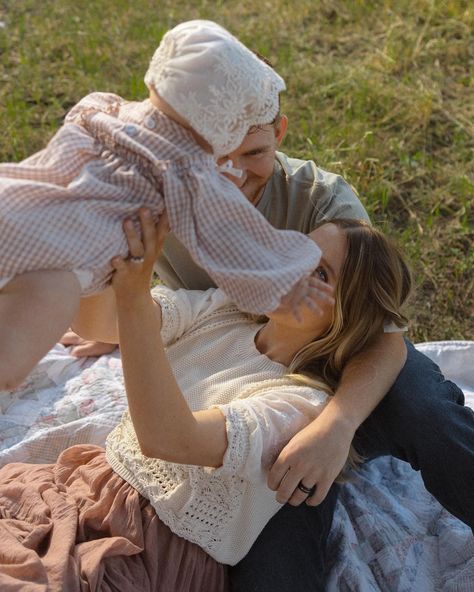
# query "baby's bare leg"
(36, 308)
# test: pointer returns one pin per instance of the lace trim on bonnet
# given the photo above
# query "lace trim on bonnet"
(212, 80)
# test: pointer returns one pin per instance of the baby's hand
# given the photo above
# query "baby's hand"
(309, 291)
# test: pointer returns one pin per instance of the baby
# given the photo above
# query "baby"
(62, 209)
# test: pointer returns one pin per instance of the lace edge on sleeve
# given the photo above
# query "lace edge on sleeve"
(238, 427)
(170, 313)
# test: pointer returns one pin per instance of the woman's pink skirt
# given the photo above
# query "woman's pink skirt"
(76, 526)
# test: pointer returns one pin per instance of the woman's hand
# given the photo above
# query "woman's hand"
(133, 275)
(313, 457)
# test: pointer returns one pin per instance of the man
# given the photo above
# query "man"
(421, 420)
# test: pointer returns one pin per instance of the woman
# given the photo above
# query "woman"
(186, 469)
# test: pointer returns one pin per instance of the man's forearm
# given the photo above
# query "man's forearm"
(366, 379)
(318, 453)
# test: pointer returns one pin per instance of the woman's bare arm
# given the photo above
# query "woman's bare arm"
(165, 426)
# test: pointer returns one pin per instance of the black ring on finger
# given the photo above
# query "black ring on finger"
(308, 490)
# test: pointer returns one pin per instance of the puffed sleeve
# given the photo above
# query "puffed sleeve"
(254, 263)
(258, 427)
(180, 309)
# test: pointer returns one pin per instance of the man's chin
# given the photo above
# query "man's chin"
(252, 193)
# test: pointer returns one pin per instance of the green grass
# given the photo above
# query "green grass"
(379, 91)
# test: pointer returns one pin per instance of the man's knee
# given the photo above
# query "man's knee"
(420, 408)
(421, 402)
(421, 384)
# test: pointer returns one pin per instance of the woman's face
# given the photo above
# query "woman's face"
(332, 241)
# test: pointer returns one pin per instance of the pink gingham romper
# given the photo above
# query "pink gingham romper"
(63, 207)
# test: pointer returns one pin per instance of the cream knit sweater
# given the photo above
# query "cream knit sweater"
(211, 348)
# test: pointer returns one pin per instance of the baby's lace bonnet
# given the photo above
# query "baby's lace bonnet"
(212, 80)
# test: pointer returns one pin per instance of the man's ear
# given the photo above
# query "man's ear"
(280, 129)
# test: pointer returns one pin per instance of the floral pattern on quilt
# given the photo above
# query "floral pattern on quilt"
(388, 534)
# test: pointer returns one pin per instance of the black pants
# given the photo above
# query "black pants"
(423, 421)
(289, 555)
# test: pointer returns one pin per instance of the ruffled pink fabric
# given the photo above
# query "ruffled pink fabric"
(77, 526)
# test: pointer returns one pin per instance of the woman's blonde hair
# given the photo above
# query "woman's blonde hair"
(373, 286)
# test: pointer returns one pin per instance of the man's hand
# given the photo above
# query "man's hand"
(315, 456)
(83, 348)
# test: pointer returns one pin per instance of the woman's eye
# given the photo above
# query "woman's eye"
(321, 274)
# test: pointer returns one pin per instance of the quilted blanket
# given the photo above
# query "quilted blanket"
(388, 534)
